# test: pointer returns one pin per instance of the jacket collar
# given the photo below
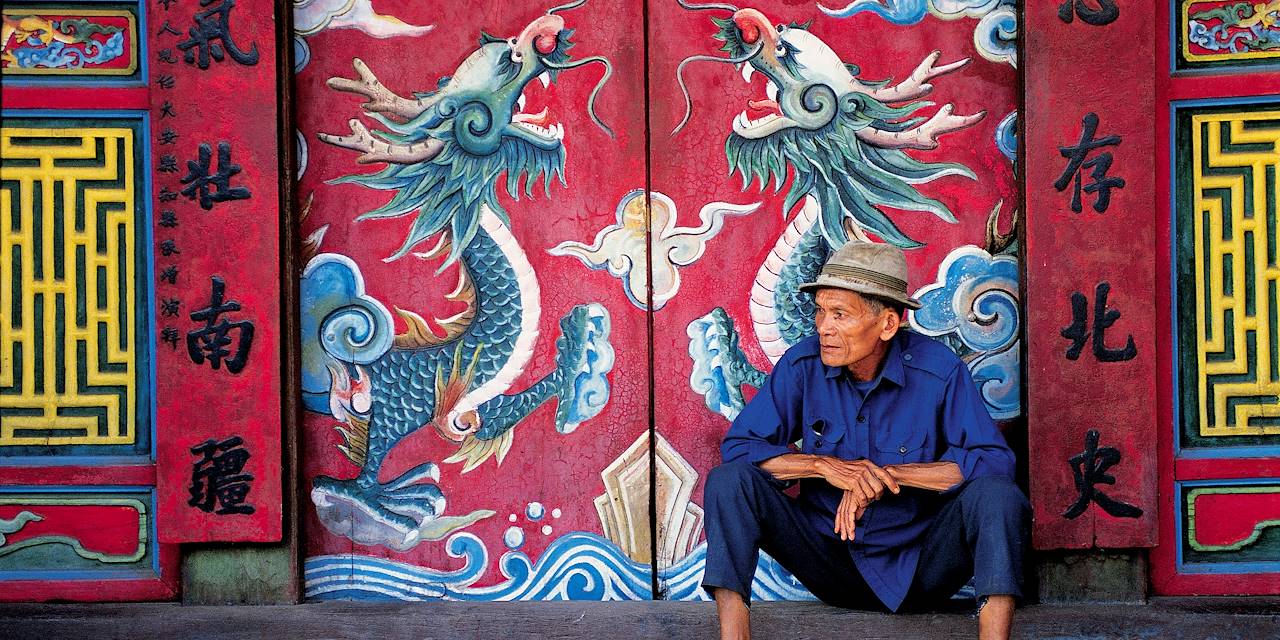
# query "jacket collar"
(892, 369)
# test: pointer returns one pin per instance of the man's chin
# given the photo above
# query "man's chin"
(831, 360)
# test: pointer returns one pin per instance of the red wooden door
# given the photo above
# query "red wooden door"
(140, 360)
(1218, 133)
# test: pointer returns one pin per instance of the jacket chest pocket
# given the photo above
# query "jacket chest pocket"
(821, 435)
(903, 445)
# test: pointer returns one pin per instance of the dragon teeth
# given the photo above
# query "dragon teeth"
(771, 90)
(747, 70)
(545, 79)
(520, 103)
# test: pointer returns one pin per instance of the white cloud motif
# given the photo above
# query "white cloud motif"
(619, 247)
(313, 16)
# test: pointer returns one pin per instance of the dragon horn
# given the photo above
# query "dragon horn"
(567, 6)
(713, 6)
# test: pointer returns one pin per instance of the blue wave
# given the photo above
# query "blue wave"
(576, 566)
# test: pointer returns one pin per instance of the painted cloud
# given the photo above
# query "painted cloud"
(619, 247)
(313, 16)
(973, 307)
(995, 36)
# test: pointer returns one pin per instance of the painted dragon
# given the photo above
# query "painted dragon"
(843, 139)
(444, 151)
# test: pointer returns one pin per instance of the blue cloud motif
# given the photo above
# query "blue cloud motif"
(338, 322)
(1007, 136)
(995, 36)
(973, 306)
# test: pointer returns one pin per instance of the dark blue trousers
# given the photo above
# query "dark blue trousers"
(980, 532)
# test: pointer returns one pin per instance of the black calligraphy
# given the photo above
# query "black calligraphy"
(210, 37)
(1079, 331)
(1078, 160)
(218, 480)
(1089, 469)
(209, 343)
(1106, 13)
(208, 188)
(170, 336)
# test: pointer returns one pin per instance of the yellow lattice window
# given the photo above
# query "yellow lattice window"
(1235, 191)
(68, 314)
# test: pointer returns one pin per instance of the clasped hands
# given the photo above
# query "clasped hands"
(863, 482)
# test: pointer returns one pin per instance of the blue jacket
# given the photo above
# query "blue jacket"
(922, 407)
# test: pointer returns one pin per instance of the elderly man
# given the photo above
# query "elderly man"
(906, 485)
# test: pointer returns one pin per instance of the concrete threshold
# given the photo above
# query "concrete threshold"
(1162, 618)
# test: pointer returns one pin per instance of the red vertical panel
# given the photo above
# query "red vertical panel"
(214, 122)
(424, 506)
(1087, 61)
(697, 372)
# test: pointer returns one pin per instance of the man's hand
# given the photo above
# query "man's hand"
(852, 505)
(862, 477)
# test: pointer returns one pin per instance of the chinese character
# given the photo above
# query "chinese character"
(1076, 156)
(198, 179)
(170, 274)
(211, 35)
(1103, 318)
(165, 81)
(1106, 13)
(168, 136)
(166, 110)
(1089, 469)
(166, 55)
(169, 336)
(166, 195)
(169, 307)
(168, 219)
(168, 29)
(218, 477)
(168, 248)
(168, 164)
(210, 341)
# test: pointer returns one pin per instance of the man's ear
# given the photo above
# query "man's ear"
(892, 322)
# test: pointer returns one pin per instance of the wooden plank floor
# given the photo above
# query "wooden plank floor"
(1198, 618)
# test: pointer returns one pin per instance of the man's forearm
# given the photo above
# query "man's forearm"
(934, 476)
(792, 466)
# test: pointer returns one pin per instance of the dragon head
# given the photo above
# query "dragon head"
(841, 135)
(446, 147)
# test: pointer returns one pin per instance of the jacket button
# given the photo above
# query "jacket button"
(906, 356)
(818, 442)
(902, 449)
(862, 418)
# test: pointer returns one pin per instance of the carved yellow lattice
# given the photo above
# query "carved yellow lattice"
(1236, 193)
(67, 307)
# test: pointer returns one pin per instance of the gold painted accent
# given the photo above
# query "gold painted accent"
(47, 401)
(132, 51)
(74, 543)
(624, 507)
(1227, 247)
(1261, 11)
(1258, 527)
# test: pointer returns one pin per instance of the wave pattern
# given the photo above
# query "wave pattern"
(576, 566)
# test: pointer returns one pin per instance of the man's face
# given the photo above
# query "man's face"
(851, 334)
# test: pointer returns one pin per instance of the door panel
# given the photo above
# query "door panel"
(760, 204)
(1220, 154)
(477, 418)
